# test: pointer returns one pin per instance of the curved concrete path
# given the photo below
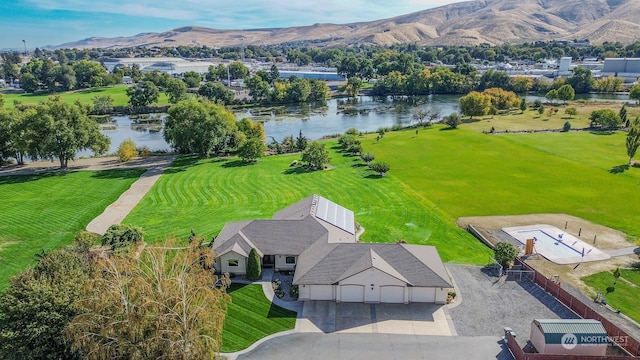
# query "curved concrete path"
(117, 211)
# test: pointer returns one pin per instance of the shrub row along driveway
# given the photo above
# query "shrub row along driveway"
(487, 304)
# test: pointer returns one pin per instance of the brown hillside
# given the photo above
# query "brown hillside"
(463, 23)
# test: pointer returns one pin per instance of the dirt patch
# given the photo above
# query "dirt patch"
(605, 239)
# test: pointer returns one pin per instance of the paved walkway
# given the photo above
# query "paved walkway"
(634, 250)
(117, 211)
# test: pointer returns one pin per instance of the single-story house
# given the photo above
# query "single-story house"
(316, 238)
(569, 337)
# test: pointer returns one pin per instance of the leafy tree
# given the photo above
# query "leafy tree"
(59, 130)
(367, 157)
(157, 77)
(623, 115)
(14, 135)
(494, 79)
(39, 304)
(505, 253)
(475, 104)
(192, 79)
(316, 155)
(120, 236)
(571, 111)
(319, 90)
(143, 95)
(381, 168)
(176, 90)
(1, 101)
(523, 105)
(301, 142)
(453, 120)
(252, 149)
(200, 128)
(582, 80)
(274, 74)
(502, 99)
(258, 88)
(163, 305)
(521, 84)
(540, 110)
(634, 93)
(102, 104)
(353, 86)
(29, 82)
(254, 268)
(566, 93)
(127, 150)
(89, 73)
(216, 73)
(252, 129)
(633, 139)
(350, 143)
(605, 118)
(216, 91)
(66, 77)
(237, 70)
(551, 95)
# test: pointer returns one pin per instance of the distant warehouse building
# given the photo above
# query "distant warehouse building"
(626, 68)
(169, 65)
(569, 337)
(319, 75)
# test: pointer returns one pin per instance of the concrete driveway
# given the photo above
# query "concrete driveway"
(411, 319)
(341, 346)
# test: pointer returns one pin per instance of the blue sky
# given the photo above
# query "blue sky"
(52, 22)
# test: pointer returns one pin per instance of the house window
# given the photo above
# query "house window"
(233, 262)
(290, 260)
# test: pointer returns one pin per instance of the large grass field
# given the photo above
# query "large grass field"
(467, 173)
(251, 316)
(203, 195)
(625, 295)
(118, 93)
(43, 212)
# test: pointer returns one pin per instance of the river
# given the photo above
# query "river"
(364, 113)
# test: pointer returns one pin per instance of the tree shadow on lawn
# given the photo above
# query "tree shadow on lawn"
(118, 174)
(298, 170)
(619, 169)
(237, 163)
(602, 132)
(374, 176)
(449, 128)
(181, 164)
(19, 179)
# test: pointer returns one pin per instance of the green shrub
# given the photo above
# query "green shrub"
(294, 292)
(566, 127)
(127, 150)
(119, 236)
(254, 269)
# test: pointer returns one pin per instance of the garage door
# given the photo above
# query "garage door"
(427, 295)
(352, 293)
(392, 294)
(321, 292)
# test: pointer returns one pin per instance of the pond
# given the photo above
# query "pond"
(365, 113)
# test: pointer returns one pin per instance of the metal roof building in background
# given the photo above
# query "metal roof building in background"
(569, 336)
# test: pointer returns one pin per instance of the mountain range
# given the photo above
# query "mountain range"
(465, 23)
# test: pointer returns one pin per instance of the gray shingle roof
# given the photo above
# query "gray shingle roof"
(328, 254)
(345, 259)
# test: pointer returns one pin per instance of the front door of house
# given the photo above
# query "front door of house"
(268, 261)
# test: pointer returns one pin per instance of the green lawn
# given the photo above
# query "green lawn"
(467, 173)
(203, 195)
(118, 93)
(43, 212)
(625, 295)
(251, 317)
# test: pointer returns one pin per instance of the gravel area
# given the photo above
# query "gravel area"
(486, 304)
(285, 282)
